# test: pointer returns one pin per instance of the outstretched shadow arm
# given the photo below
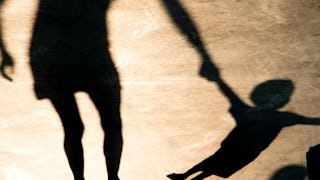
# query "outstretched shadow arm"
(311, 121)
(187, 27)
(292, 119)
(307, 120)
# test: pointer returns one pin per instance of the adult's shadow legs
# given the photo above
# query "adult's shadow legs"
(107, 102)
(73, 127)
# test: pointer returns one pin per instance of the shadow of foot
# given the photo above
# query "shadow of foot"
(175, 176)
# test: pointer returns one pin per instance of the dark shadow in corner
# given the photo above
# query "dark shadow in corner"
(313, 162)
(6, 59)
(256, 127)
(292, 172)
(187, 27)
(69, 53)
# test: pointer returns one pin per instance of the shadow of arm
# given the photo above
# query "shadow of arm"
(298, 119)
(309, 121)
(228, 92)
(185, 24)
(187, 27)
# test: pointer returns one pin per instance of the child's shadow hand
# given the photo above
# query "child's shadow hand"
(7, 61)
(208, 70)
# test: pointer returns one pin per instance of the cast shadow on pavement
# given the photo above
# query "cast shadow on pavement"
(256, 128)
(69, 53)
(6, 59)
(313, 162)
(181, 18)
(290, 172)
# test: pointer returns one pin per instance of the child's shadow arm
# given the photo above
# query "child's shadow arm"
(298, 119)
(228, 92)
(309, 121)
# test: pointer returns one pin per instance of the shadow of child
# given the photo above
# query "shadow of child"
(256, 127)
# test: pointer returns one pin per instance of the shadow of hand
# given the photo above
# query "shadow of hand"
(7, 61)
(208, 70)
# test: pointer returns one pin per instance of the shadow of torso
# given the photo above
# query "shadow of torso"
(255, 128)
(69, 47)
(254, 131)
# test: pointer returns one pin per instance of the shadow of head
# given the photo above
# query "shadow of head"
(292, 172)
(272, 94)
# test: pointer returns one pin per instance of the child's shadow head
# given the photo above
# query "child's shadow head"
(272, 94)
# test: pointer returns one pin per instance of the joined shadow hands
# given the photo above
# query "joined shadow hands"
(208, 70)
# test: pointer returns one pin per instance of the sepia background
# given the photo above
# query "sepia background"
(172, 118)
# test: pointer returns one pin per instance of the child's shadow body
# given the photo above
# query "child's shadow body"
(256, 127)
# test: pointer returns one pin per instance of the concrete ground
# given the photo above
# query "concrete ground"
(172, 118)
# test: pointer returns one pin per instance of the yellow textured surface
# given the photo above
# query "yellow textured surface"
(172, 117)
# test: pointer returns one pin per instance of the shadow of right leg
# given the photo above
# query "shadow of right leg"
(67, 109)
(107, 102)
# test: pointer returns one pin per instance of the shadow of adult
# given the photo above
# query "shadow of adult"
(69, 53)
(256, 127)
(292, 172)
(6, 59)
